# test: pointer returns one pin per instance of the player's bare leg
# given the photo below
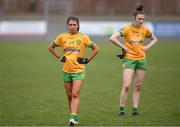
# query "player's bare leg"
(127, 79)
(139, 77)
(68, 88)
(77, 84)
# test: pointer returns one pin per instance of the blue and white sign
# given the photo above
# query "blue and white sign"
(167, 28)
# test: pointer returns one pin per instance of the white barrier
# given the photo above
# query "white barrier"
(23, 27)
(104, 28)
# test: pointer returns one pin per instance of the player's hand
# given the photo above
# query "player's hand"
(81, 60)
(62, 59)
(122, 54)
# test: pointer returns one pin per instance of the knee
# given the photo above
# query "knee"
(75, 95)
(138, 85)
(126, 88)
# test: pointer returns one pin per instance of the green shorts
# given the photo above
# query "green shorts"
(73, 76)
(135, 64)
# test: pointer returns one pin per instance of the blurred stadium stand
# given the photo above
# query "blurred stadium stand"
(55, 12)
(90, 6)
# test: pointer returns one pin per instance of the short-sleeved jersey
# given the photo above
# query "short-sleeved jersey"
(73, 46)
(133, 40)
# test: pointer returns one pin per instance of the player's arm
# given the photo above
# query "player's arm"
(114, 39)
(51, 48)
(152, 42)
(94, 52)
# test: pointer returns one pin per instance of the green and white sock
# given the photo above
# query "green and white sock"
(74, 116)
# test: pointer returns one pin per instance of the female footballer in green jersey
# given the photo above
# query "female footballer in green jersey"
(73, 44)
(134, 60)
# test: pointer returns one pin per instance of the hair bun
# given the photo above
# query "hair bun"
(139, 8)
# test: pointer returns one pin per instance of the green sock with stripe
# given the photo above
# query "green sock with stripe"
(74, 116)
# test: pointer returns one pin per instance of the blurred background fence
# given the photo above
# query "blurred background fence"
(53, 14)
(90, 7)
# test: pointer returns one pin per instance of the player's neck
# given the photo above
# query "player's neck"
(73, 33)
(135, 25)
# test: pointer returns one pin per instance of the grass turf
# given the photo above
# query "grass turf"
(32, 91)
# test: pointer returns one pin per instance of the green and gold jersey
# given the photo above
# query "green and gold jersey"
(73, 46)
(133, 40)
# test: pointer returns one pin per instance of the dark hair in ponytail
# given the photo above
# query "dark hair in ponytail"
(73, 18)
(139, 10)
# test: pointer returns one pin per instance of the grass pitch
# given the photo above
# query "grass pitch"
(32, 91)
